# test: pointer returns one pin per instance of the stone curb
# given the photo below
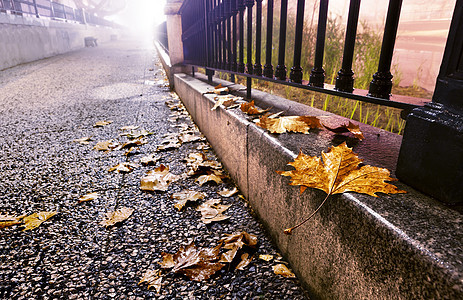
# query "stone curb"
(357, 247)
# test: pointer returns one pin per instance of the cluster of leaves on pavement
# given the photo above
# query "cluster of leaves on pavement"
(236, 251)
(340, 170)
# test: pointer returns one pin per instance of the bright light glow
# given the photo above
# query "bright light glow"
(141, 16)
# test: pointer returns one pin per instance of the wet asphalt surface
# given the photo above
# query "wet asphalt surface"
(45, 105)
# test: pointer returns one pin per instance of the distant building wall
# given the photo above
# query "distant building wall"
(25, 39)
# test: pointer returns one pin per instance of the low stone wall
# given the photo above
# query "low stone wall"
(405, 246)
(24, 39)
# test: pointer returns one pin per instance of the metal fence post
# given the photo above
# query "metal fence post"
(431, 155)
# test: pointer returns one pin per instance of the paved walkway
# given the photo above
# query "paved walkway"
(45, 105)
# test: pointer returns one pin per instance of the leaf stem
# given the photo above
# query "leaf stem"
(288, 230)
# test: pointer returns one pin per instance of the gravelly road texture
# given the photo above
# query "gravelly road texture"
(46, 104)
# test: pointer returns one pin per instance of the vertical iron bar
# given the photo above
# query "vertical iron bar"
(296, 71)
(220, 36)
(235, 34)
(317, 75)
(228, 14)
(224, 35)
(345, 79)
(35, 8)
(268, 68)
(381, 84)
(248, 87)
(258, 66)
(207, 23)
(280, 72)
(241, 7)
(249, 67)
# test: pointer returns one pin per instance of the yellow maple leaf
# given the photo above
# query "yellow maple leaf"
(300, 124)
(339, 172)
(102, 123)
(36, 219)
(88, 197)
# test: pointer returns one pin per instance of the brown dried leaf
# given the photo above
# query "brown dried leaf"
(245, 261)
(196, 264)
(117, 216)
(212, 211)
(124, 167)
(300, 124)
(228, 193)
(102, 123)
(338, 173)
(351, 127)
(212, 175)
(84, 140)
(89, 197)
(189, 137)
(227, 101)
(239, 240)
(158, 179)
(129, 128)
(7, 220)
(187, 195)
(152, 278)
(36, 219)
(105, 145)
(220, 90)
(250, 109)
(149, 160)
(283, 270)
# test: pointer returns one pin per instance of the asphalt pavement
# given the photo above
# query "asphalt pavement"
(46, 105)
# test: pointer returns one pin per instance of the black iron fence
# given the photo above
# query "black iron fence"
(50, 9)
(161, 36)
(216, 37)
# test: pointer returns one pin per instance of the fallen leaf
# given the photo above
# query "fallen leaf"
(84, 140)
(124, 167)
(227, 192)
(245, 261)
(158, 179)
(134, 143)
(212, 211)
(283, 270)
(300, 124)
(129, 128)
(250, 109)
(339, 172)
(213, 175)
(36, 219)
(227, 101)
(196, 264)
(149, 159)
(171, 142)
(189, 137)
(117, 216)
(187, 195)
(105, 145)
(153, 279)
(102, 123)
(136, 134)
(131, 151)
(266, 257)
(351, 127)
(238, 244)
(7, 220)
(89, 197)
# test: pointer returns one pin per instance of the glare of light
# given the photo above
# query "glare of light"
(141, 16)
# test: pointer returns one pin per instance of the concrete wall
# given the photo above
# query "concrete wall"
(24, 39)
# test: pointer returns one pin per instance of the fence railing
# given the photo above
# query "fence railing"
(161, 36)
(216, 37)
(50, 9)
(431, 153)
